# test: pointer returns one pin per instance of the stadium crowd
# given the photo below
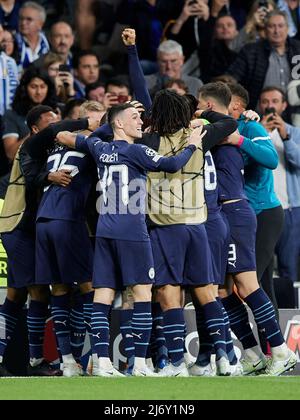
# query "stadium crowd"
(195, 110)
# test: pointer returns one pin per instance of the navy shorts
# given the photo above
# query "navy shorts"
(20, 249)
(64, 253)
(242, 223)
(119, 263)
(181, 255)
(218, 238)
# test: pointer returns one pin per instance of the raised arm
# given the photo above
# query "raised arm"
(136, 75)
(149, 160)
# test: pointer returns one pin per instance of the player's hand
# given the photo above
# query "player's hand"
(129, 37)
(62, 178)
(233, 139)
(94, 123)
(66, 138)
(251, 115)
(197, 136)
(110, 99)
(138, 106)
(279, 123)
(196, 123)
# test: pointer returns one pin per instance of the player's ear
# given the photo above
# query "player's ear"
(118, 123)
(34, 129)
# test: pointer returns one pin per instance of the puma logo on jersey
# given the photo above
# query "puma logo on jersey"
(215, 333)
(139, 336)
(61, 322)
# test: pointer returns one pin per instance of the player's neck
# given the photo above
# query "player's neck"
(128, 139)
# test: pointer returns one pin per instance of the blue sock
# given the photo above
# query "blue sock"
(60, 309)
(214, 320)
(265, 317)
(9, 315)
(126, 331)
(229, 343)
(77, 327)
(36, 321)
(141, 327)
(87, 312)
(174, 326)
(161, 351)
(205, 341)
(100, 329)
(239, 321)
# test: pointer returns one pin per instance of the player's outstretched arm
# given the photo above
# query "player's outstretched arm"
(149, 160)
(65, 138)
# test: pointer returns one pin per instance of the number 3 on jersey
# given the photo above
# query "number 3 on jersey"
(210, 173)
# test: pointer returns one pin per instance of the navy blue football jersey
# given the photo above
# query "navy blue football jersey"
(211, 189)
(122, 171)
(67, 203)
(229, 163)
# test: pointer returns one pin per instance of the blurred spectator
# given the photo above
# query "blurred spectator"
(292, 9)
(286, 139)
(95, 92)
(255, 28)
(9, 14)
(36, 88)
(170, 60)
(9, 45)
(238, 9)
(222, 46)
(193, 30)
(178, 86)
(8, 76)
(267, 62)
(72, 109)
(61, 39)
(146, 17)
(32, 42)
(86, 70)
(85, 23)
(61, 76)
(117, 91)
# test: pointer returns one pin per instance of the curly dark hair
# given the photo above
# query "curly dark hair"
(170, 113)
(22, 103)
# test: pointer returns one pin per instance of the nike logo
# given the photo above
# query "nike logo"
(256, 364)
(139, 336)
(216, 333)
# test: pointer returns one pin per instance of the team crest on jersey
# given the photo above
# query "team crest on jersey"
(150, 152)
(292, 335)
(151, 273)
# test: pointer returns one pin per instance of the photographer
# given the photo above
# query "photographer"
(286, 139)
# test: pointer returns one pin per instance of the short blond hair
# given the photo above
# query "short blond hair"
(88, 106)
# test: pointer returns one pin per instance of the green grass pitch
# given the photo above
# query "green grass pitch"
(253, 388)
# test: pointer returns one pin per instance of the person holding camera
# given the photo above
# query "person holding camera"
(286, 139)
(267, 62)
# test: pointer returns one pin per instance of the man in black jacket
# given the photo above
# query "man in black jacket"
(267, 62)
